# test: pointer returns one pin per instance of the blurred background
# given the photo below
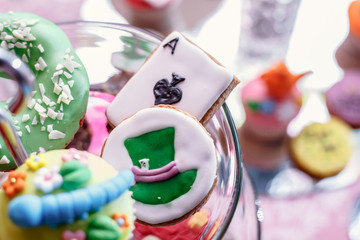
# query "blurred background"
(250, 37)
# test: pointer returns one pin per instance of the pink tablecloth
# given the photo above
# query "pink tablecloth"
(318, 216)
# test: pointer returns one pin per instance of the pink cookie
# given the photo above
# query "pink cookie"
(343, 98)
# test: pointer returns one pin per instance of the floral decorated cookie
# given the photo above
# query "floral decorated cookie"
(177, 73)
(66, 194)
(173, 159)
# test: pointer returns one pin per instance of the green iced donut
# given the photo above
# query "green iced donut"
(61, 90)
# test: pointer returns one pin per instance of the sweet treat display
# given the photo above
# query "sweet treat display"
(173, 159)
(271, 101)
(322, 149)
(66, 194)
(348, 53)
(343, 98)
(59, 100)
(177, 73)
(92, 135)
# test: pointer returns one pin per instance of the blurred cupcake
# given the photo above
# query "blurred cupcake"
(159, 15)
(271, 101)
(348, 53)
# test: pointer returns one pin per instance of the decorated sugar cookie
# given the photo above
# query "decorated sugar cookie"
(66, 194)
(61, 90)
(177, 73)
(173, 159)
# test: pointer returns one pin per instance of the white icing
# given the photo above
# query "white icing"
(194, 149)
(4, 160)
(202, 75)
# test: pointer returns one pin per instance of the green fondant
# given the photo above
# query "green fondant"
(55, 43)
(74, 175)
(158, 147)
(164, 191)
(103, 228)
(254, 106)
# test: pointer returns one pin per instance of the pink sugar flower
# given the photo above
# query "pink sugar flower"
(74, 154)
(78, 235)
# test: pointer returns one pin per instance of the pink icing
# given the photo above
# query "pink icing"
(97, 121)
(155, 175)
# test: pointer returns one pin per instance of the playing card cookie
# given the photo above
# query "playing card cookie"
(173, 159)
(177, 73)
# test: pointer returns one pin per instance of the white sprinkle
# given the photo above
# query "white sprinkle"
(28, 52)
(31, 22)
(50, 127)
(19, 133)
(57, 89)
(46, 100)
(61, 107)
(11, 46)
(20, 45)
(42, 89)
(16, 122)
(60, 116)
(4, 160)
(43, 128)
(51, 113)
(51, 104)
(67, 75)
(1, 27)
(31, 37)
(39, 101)
(59, 66)
(69, 65)
(34, 121)
(61, 82)
(24, 58)
(58, 73)
(67, 91)
(40, 47)
(31, 103)
(39, 108)
(42, 64)
(18, 34)
(9, 38)
(67, 50)
(17, 128)
(55, 134)
(30, 45)
(28, 128)
(71, 83)
(43, 116)
(25, 117)
(4, 45)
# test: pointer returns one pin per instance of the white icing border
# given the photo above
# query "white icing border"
(194, 149)
(205, 81)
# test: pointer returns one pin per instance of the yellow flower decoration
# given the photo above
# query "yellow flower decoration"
(36, 161)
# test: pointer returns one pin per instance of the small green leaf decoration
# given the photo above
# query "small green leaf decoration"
(74, 175)
(253, 105)
(103, 228)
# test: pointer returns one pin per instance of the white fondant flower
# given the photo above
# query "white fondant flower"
(48, 179)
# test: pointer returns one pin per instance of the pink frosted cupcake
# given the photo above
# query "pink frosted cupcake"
(159, 15)
(271, 101)
(343, 98)
(348, 53)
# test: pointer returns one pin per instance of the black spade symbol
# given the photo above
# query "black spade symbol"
(167, 93)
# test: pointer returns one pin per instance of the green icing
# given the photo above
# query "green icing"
(158, 147)
(55, 43)
(103, 228)
(164, 191)
(74, 175)
(254, 106)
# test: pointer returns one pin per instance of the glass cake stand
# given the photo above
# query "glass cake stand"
(110, 49)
